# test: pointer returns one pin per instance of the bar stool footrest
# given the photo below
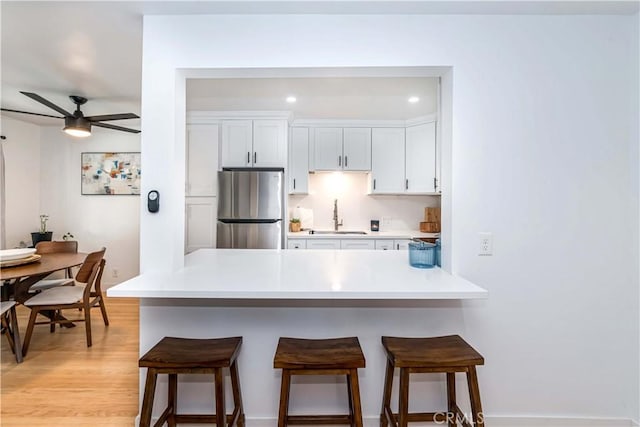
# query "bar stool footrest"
(318, 419)
(200, 419)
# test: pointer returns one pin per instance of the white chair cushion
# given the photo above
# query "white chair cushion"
(6, 306)
(55, 296)
(48, 284)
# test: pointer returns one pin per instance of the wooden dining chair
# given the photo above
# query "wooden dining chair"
(85, 294)
(9, 321)
(70, 246)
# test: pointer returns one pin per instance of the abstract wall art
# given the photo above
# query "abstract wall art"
(112, 174)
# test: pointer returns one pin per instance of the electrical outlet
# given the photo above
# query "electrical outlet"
(114, 273)
(485, 241)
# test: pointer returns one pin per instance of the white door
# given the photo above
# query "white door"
(356, 149)
(297, 244)
(237, 143)
(299, 161)
(384, 245)
(327, 149)
(200, 223)
(269, 143)
(421, 158)
(387, 160)
(402, 244)
(202, 160)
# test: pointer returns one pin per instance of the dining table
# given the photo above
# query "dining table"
(21, 277)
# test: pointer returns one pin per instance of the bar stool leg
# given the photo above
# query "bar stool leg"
(283, 413)
(386, 397)
(354, 387)
(220, 406)
(451, 399)
(147, 400)
(403, 398)
(474, 395)
(350, 399)
(237, 395)
(173, 399)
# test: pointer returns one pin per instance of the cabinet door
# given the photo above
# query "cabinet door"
(323, 244)
(421, 158)
(385, 245)
(237, 142)
(356, 149)
(402, 244)
(299, 161)
(202, 160)
(297, 244)
(357, 244)
(200, 223)
(327, 149)
(387, 160)
(269, 143)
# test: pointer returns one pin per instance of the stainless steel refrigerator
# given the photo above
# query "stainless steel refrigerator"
(250, 208)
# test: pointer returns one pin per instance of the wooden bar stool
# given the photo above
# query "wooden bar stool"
(448, 355)
(339, 356)
(175, 356)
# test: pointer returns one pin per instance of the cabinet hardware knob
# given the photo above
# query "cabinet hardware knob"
(406, 184)
(339, 160)
(374, 184)
(346, 161)
(255, 157)
(248, 157)
(294, 183)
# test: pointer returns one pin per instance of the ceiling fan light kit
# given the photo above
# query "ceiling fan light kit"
(77, 124)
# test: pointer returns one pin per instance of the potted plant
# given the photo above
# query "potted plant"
(43, 235)
(294, 225)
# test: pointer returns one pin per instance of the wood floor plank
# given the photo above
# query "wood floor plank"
(63, 383)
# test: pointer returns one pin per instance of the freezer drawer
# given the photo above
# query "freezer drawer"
(246, 194)
(267, 235)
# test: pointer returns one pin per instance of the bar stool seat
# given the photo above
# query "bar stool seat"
(447, 354)
(175, 356)
(336, 356)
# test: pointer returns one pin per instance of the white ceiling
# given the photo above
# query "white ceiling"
(93, 48)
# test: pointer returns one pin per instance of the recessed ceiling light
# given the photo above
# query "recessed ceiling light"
(413, 99)
(291, 99)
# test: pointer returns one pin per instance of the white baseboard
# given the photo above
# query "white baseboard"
(490, 422)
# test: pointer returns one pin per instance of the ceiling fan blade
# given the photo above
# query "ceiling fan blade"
(104, 125)
(33, 114)
(108, 117)
(49, 104)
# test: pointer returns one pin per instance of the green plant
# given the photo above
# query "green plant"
(43, 223)
(68, 236)
(295, 220)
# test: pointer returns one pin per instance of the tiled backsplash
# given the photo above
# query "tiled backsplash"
(355, 207)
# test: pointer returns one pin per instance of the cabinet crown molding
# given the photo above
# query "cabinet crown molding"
(346, 123)
(214, 117)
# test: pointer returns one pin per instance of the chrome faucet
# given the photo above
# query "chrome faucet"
(336, 224)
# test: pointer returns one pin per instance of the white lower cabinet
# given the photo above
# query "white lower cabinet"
(401, 245)
(385, 245)
(357, 244)
(297, 244)
(200, 223)
(323, 244)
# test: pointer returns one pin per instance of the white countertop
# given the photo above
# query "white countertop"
(300, 275)
(397, 234)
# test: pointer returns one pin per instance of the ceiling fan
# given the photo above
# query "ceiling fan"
(77, 124)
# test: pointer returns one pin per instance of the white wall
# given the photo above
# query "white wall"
(355, 207)
(544, 155)
(43, 177)
(22, 180)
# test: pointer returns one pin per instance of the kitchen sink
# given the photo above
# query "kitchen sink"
(336, 232)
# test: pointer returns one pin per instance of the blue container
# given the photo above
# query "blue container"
(438, 253)
(422, 254)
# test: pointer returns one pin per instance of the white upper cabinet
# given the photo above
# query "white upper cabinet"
(269, 143)
(327, 149)
(202, 160)
(299, 161)
(387, 161)
(420, 153)
(341, 149)
(356, 149)
(254, 143)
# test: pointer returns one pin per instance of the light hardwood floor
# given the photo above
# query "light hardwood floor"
(63, 383)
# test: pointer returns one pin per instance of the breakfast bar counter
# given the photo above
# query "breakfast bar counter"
(262, 295)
